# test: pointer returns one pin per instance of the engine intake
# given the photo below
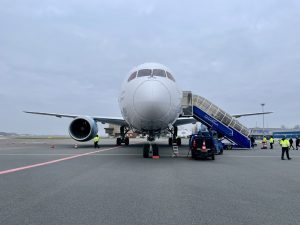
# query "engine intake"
(83, 129)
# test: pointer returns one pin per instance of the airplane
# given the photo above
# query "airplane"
(150, 103)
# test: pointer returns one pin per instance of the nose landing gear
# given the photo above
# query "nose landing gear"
(150, 149)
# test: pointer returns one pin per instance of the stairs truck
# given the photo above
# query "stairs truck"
(215, 119)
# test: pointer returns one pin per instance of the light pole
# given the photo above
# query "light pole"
(262, 106)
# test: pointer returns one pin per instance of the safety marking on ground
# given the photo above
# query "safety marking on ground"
(66, 154)
(53, 161)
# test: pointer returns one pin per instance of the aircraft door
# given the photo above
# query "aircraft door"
(187, 104)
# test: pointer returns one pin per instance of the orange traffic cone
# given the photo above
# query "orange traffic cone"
(203, 146)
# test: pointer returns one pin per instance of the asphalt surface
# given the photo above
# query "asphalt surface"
(47, 181)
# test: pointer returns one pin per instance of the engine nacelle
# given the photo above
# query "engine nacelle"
(83, 129)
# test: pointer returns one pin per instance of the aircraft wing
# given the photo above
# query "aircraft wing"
(111, 120)
(184, 120)
(250, 114)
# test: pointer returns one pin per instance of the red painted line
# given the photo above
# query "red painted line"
(53, 161)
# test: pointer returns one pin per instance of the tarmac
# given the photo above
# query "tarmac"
(48, 181)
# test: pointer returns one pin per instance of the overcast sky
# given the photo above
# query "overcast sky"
(72, 56)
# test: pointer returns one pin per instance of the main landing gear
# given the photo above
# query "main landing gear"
(150, 148)
(174, 139)
(123, 138)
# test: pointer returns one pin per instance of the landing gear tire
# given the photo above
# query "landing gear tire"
(170, 141)
(178, 141)
(146, 151)
(119, 141)
(155, 150)
(127, 141)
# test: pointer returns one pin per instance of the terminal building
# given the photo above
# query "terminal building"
(258, 133)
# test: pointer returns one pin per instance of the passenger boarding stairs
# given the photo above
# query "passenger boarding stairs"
(215, 118)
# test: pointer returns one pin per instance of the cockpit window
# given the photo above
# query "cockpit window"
(159, 73)
(132, 76)
(170, 76)
(144, 72)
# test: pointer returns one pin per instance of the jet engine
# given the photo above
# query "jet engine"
(83, 129)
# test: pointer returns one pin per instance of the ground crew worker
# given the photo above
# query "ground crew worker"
(297, 142)
(291, 143)
(285, 148)
(96, 140)
(265, 139)
(264, 143)
(252, 139)
(271, 142)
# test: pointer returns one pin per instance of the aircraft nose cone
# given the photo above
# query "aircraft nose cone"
(152, 100)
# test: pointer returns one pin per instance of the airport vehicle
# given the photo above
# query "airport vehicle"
(211, 138)
(151, 103)
(203, 145)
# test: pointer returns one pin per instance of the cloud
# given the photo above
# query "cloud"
(146, 10)
(50, 10)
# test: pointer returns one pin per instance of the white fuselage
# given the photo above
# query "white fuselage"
(150, 98)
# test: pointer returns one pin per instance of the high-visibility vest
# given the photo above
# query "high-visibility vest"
(265, 139)
(285, 143)
(96, 139)
(271, 140)
(281, 142)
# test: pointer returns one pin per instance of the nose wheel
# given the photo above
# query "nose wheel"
(150, 149)
(146, 150)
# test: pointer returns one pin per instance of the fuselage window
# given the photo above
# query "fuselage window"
(144, 72)
(159, 73)
(132, 76)
(170, 76)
